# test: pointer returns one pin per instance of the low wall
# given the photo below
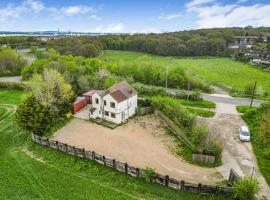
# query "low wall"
(133, 171)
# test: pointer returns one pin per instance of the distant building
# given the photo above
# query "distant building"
(265, 36)
(116, 104)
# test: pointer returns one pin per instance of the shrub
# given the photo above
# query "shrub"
(149, 174)
(246, 188)
(248, 90)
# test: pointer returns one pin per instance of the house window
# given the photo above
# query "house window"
(96, 101)
(112, 115)
(112, 104)
(104, 102)
(106, 113)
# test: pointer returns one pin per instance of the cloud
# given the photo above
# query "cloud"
(95, 17)
(36, 6)
(75, 10)
(110, 28)
(198, 3)
(218, 15)
(170, 16)
(241, 1)
(26, 6)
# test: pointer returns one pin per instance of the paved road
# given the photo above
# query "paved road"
(226, 99)
(222, 97)
(11, 79)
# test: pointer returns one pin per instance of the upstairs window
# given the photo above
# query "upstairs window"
(112, 104)
(104, 102)
(97, 101)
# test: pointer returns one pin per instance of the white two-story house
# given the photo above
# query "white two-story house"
(116, 104)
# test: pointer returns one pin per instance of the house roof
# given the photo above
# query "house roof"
(90, 93)
(118, 96)
(99, 92)
(124, 87)
(119, 91)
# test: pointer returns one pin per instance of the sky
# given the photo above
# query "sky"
(130, 16)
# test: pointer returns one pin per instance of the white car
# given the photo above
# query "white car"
(244, 134)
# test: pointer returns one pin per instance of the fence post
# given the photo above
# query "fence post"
(217, 189)
(114, 164)
(57, 147)
(104, 160)
(137, 172)
(39, 139)
(126, 168)
(199, 187)
(166, 180)
(93, 155)
(182, 185)
(74, 151)
(66, 147)
(84, 154)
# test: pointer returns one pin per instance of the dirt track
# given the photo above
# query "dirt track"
(140, 143)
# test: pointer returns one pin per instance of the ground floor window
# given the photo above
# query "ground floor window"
(112, 115)
(106, 113)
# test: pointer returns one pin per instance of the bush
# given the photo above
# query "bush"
(246, 188)
(149, 174)
(248, 90)
(244, 109)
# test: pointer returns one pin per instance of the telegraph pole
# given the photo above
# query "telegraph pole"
(253, 94)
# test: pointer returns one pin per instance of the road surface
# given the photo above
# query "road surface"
(11, 79)
(226, 99)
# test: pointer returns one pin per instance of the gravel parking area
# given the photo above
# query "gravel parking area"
(141, 142)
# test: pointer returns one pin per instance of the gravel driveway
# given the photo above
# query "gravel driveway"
(141, 142)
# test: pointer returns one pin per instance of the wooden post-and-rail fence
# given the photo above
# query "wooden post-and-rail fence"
(133, 171)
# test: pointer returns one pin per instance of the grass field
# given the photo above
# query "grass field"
(31, 171)
(223, 71)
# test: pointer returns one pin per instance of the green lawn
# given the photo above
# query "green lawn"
(31, 171)
(220, 71)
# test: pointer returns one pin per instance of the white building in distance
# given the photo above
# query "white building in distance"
(116, 104)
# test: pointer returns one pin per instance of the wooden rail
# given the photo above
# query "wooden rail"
(133, 171)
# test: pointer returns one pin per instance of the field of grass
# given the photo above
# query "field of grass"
(31, 171)
(220, 71)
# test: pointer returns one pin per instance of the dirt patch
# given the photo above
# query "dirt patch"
(141, 142)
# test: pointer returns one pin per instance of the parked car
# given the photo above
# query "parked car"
(244, 133)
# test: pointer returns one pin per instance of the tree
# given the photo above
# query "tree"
(31, 115)
(10, 61)
(246, 188)
(52, 91)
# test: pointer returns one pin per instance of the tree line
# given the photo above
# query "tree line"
(211, 42)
